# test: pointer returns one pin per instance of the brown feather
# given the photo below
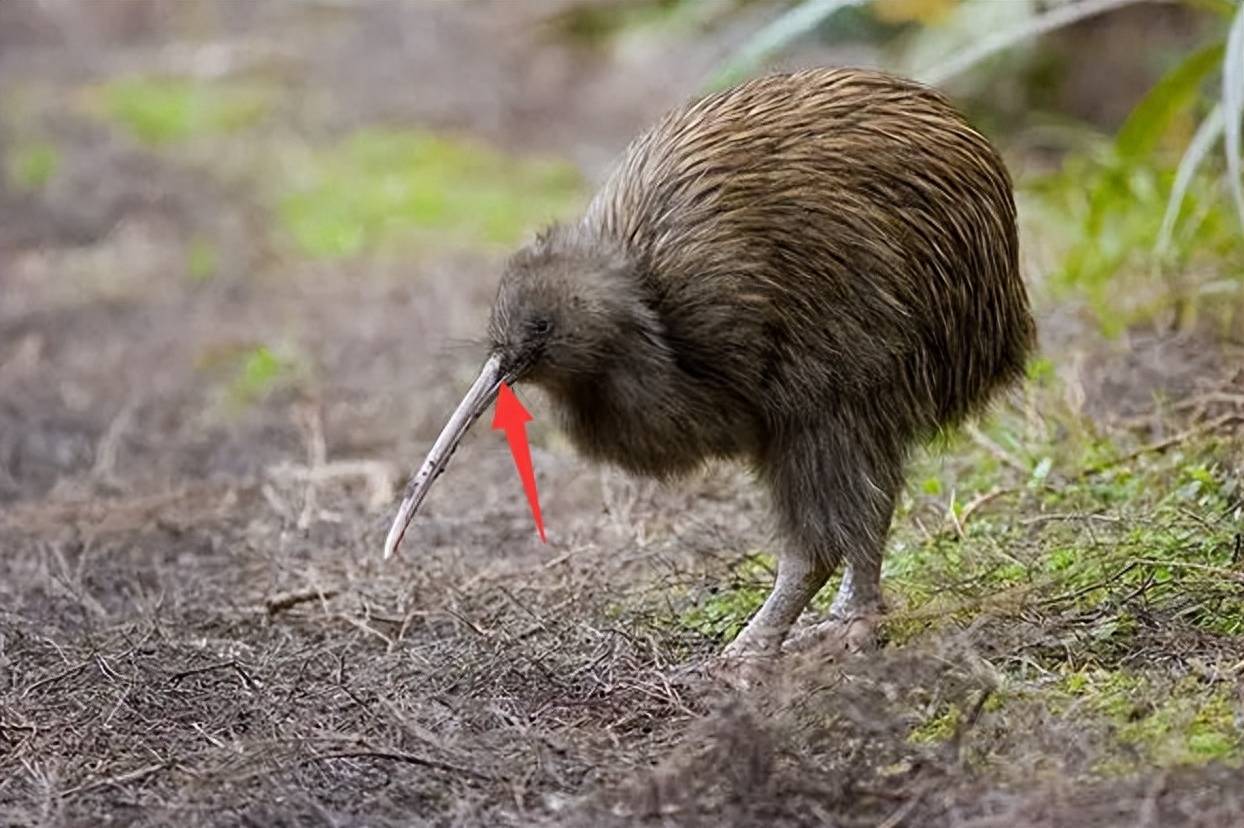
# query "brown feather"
(811, 272)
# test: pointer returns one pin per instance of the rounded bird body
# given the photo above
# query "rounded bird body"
(809, 272)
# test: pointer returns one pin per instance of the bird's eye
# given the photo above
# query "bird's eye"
(540, 325)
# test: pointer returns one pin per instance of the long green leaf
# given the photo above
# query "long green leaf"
(1233, 106)
(793, 24)
(1176, 91)
(1202, 142)
(1056, 18)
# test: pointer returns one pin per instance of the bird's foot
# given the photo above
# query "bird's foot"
(837, 637)
(739, 669)
(747, 661)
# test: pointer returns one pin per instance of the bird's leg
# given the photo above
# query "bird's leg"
(834, 488)
(851, 622)
(860, 591)
(798, 580)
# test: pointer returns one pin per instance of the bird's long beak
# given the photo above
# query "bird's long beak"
(483, 392)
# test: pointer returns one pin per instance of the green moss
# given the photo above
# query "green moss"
(1111, 692)
(379, 184)
(1089, 526)
(1180, 724)
(31, 166)
(161, 111)
(939, 727)
(1191, 727)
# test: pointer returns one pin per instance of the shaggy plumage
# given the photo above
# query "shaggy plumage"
(808, 272)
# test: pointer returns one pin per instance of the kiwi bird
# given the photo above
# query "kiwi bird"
(811, 273)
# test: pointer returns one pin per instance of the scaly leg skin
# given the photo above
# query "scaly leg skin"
(798, 580)
(835, 489)
(860, 592)
(851, 622)
(744, 662)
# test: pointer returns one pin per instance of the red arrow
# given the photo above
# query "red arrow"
(512, 418)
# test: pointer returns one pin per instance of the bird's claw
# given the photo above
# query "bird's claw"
(836, 637)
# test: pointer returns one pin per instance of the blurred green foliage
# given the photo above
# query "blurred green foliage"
(257, 372)
(31, 166)
(202, 259)
(378, 184)
(1105, 212)
(162, 111)
(1111, 203)
(596, 23)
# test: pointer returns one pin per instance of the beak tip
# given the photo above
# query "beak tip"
(394, 538)
(389, 548)
(481, 394)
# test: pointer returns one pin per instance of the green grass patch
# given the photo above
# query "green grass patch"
(1185, 722)
(258, 372)
(1044, 518)
(31, 166)
(202, 260)
(162, 111)
(724, 610)
(1136, 718)
(377, 185)
(246, 374)
(1155, 534)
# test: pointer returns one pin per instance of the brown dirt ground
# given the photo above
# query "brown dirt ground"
(195, 629)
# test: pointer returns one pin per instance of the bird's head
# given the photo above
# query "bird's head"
(565, 309)
(568, 306)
